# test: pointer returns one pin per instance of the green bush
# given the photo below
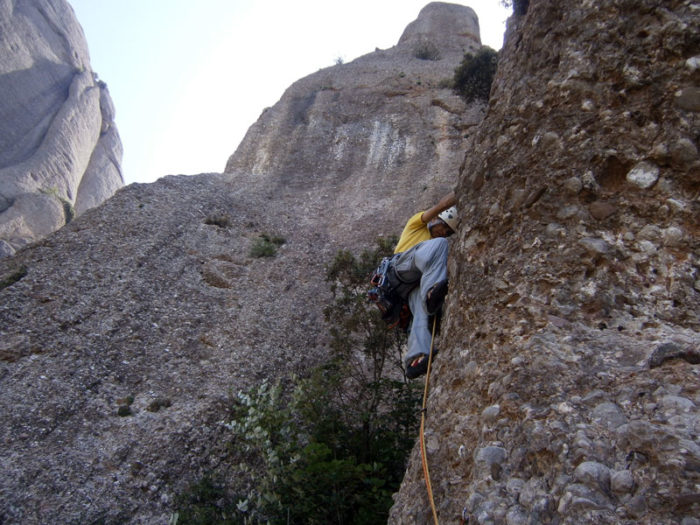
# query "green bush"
(222, 220)
(519, 6)
(14, 276)
(473, 77)
(426, 50)
(307, 461)
(206, 503)
(68, 209)
(266, 245)
(329, 448)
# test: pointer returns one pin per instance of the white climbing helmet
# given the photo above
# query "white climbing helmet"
(450, 217)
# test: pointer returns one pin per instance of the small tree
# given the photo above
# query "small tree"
(266, 245)
(331, 449)
(426, 50)
(369, 355)
(354, 324)
(474, 76)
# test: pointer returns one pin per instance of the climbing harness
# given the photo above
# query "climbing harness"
(424, 458)
(390, 293)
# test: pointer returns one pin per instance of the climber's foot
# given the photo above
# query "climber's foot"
(435, 297)
(418, 366)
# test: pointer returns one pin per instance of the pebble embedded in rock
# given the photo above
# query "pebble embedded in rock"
(6, 248)
(672, 236)
(517, 515)
(491, 413)
(595, 246)
(688, 98)
(567, 212)
(573, 185)
(684, 152)
(488, 461)
(643, 175)
(602, 210)
(622, 482)
(593, 474)
(609, 415)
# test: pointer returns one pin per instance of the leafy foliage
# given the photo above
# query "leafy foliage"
(519, 6)
(221, 220)
(426, 50)
(266, 245)
(474, 75)
(68, 209)
(332, 447)
(206, 502)
(16, 275)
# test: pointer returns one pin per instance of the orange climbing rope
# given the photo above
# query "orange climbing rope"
(424, 458)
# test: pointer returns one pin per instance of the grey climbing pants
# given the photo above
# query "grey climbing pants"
(426, 264)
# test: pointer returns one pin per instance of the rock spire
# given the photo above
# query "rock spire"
(60, 151)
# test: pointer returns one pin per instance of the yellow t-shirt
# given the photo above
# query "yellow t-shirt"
(414, 232)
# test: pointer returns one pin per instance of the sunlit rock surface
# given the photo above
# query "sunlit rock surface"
(60, 151)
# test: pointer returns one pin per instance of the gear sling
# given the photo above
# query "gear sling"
(390, 293)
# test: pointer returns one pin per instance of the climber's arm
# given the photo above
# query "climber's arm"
(444, 203)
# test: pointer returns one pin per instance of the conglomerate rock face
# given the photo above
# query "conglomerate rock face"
(60, 151)
(124, 334)
(567, 389)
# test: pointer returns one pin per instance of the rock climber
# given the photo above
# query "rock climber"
(423, 260)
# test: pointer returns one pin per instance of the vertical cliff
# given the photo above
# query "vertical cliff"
(568, 389)
(60, 151)
(372, 136)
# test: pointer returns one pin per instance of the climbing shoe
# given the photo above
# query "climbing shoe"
(418, 366)
(435, 297)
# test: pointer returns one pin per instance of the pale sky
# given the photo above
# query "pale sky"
(189, 77)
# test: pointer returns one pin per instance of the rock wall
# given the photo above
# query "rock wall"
(126, 332)
(60, 152)
(384, 128)
(567, 389)
(123, 334)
